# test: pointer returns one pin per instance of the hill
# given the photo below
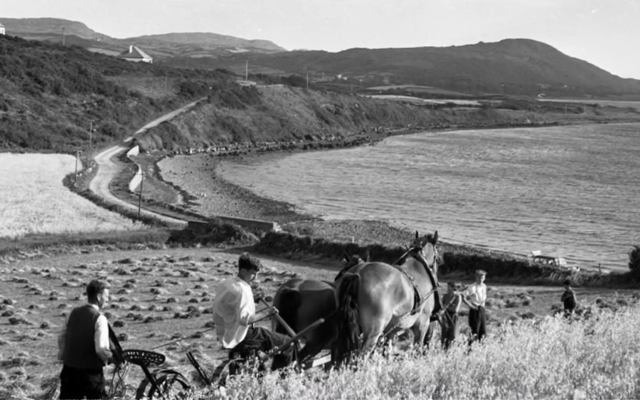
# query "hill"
(49, 29)
(64, 98)
(511, 66)
(163, 46)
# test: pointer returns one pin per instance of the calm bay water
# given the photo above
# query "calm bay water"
(573, 191)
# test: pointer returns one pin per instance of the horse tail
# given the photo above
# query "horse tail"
(288, 304)
(348, 329)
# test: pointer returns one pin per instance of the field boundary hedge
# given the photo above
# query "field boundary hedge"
(500, 268)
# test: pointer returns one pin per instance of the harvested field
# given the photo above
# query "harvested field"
(161, 299)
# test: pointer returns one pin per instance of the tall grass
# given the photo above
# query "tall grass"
(548, 358)
(34, 200)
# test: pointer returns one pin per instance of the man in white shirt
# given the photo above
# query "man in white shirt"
(84, 347)
(234, 314)
(475, 297)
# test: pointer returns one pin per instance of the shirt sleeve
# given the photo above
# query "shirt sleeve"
(62, 340)
(101, 339)
(457, 301)
(245, 310)
(470, 292)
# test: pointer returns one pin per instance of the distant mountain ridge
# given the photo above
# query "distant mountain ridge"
(511, 66)
(50, 27)
(507, 67)
(162, 45)
(202, 38)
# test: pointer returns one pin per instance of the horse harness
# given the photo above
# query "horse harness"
(419, 300)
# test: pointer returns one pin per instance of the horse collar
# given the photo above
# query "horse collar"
(420, 257)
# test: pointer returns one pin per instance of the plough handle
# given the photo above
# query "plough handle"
(278, 318)
(196, 365)
(296, 337)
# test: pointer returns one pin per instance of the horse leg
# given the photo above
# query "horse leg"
(422, 332)
(389, 341)
(371, 336)
(370, 342)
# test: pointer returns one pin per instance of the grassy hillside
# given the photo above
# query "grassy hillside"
(64, 98)
(285, 117)
(51, 96)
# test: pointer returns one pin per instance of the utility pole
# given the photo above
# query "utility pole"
(246, 71)
(63, 28)
(75, 181)
(307, 80)
(140, 195)
(90, 133)
(165, 83)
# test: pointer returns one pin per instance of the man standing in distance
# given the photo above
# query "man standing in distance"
(475, 297)
(84, 347)
(568, 299)
(234, 313)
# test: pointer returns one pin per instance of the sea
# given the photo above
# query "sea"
(567, 191)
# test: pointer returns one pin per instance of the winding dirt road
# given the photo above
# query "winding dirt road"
(108, 170)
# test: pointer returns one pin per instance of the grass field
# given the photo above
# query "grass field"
(34, 200)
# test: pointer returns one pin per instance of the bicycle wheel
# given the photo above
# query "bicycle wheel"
(169, 383)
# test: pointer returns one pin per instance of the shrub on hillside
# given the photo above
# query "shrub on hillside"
(634, 260)
(294, 80)
(215, 233)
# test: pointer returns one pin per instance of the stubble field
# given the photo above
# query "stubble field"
(161, 299)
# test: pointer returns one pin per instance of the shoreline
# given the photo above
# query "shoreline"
(249, 204)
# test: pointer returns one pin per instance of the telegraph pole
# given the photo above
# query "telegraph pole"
(307, 80)
(246, 71)
(75, 181)
(140, 195)
(90, 133)
(63, 28)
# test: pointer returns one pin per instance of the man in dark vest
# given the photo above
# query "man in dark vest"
(84, 347)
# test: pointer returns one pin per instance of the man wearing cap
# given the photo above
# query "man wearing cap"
(84, 347)
(234, 313)
(475, 297)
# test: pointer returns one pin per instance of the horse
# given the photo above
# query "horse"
(301, 302)
(377, 300)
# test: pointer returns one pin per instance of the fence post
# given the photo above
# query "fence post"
(140, 195)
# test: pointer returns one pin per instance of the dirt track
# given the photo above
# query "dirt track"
(108, 170)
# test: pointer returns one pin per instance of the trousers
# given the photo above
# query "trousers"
(79, 384)
(478, 322)
(262, 339)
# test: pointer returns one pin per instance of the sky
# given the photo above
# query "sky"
(605, 33)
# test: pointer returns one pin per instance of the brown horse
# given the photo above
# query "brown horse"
(377, 300)
(301, 302)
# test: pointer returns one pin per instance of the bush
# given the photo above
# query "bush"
(634, 260)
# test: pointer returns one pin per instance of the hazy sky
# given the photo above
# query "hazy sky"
(605, 33)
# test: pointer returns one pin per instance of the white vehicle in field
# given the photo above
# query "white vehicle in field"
(538, 258)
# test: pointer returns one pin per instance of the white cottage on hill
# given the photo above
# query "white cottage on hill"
(2, 30)
(136, 55)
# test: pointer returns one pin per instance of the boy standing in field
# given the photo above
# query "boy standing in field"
(568, 299)
(451, 301)
(475, 297)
